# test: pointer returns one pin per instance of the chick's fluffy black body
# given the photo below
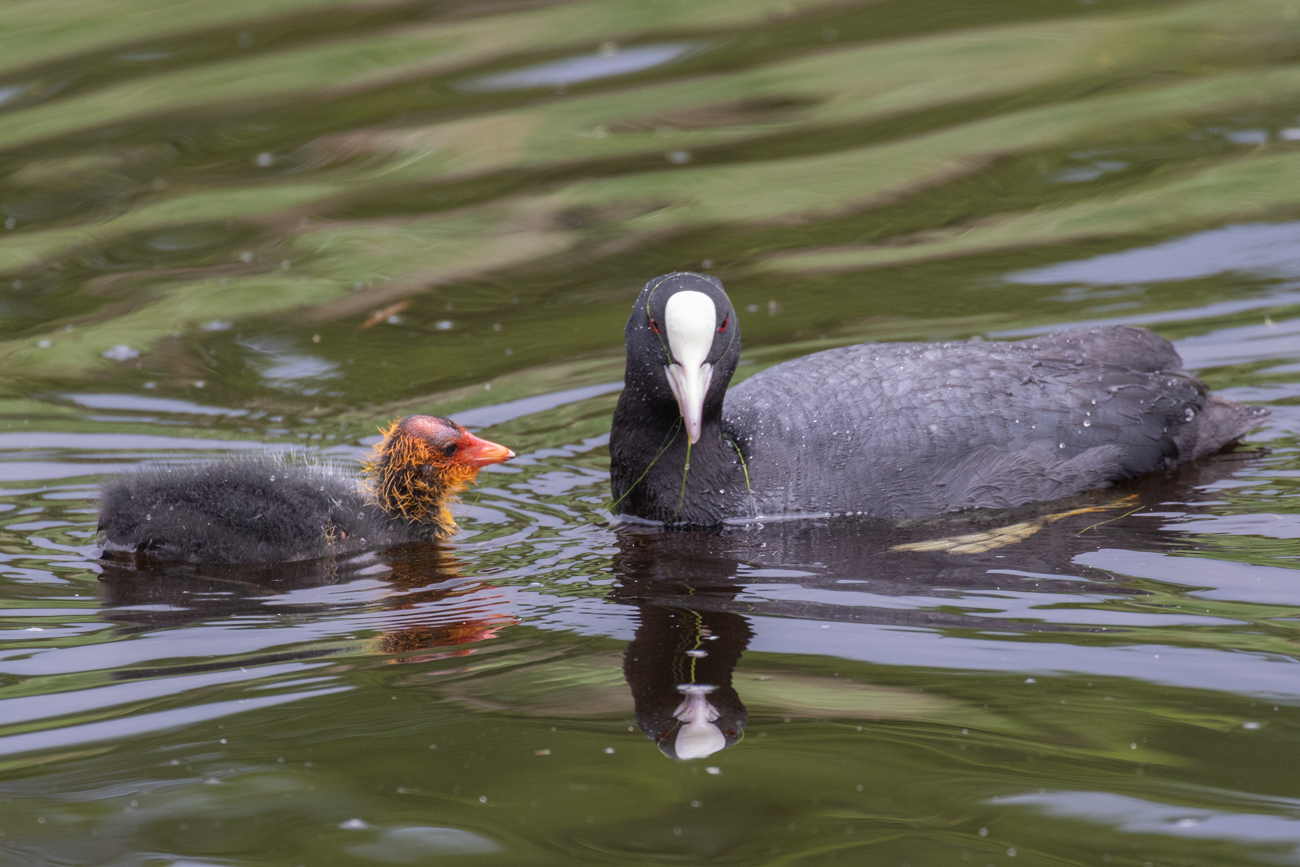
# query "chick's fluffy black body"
(270, 509)
(901, 430)
(256, 509)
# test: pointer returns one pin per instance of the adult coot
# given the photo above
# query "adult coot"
(271, 509)
(893, 430)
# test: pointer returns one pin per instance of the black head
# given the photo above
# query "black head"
(683, 344)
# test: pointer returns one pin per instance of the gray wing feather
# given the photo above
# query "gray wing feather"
(905, 430)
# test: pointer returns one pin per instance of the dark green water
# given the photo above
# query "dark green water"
(284, 223)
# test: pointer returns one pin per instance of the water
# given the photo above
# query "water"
(282, 224)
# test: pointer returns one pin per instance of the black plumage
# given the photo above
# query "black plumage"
(256, 509)
(268, 508)
(900, 430)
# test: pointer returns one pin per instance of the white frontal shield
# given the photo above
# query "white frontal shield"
(690, 321)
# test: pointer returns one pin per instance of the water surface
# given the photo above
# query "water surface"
(243, 225)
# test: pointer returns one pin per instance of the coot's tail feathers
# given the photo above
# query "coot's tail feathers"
(1220, 422)
(257, 509)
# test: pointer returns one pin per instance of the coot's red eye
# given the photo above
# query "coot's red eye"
(654, 326)
(723, 326)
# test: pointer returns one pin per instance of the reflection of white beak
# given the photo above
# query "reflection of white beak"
(699, 737)
(691, 321)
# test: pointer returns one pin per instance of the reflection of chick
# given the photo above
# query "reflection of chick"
(414, 595)
(270, 509)
(436, 615)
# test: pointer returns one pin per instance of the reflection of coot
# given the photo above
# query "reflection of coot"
(891, 430)
(267, 509)
(679, 668)
(679, 664)
(685, 586)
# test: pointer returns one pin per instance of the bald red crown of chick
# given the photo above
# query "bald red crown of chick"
(422, 464)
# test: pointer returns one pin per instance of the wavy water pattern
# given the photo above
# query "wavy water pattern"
(279, 225)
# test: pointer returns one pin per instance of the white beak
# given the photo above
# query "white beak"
(689, 387)
(691, 321)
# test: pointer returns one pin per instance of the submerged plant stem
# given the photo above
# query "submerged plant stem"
(686, 470)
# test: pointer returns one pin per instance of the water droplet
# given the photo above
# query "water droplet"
(121, 352)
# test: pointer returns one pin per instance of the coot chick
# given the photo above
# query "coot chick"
(271, 508)
(891, 430)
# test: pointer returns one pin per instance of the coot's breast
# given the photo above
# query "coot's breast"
(908, 430)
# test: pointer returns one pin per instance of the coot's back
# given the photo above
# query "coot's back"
(908, 430)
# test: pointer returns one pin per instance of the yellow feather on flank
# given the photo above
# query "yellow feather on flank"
(406, 479)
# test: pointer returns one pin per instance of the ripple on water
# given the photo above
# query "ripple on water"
(290, 225)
